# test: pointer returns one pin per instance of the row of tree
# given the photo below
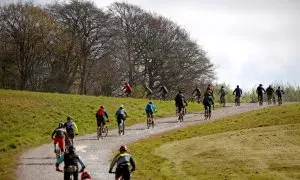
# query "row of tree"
(78, 48)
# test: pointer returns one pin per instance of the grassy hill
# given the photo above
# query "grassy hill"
(263, 144)
(27, 119)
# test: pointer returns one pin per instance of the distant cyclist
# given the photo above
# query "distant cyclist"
(100, 116)
(163, 90)
(210, 90)
(260, 91)
(180, 102)
(121, 114)
(222, 94)
(207, 100)
(150, 109)
(237, 92)
(59, 135)
(279, 94)
(128, 89)
(123, 160)
(270, 93)
(71, 160)
(71, 129)
(197, 93)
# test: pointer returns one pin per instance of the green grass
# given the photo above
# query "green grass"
(27, 119)
(261, 144)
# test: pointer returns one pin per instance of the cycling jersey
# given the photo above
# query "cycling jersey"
(222, 92)
(150, 108)
(197, 90)
(269, 91)
(260, 90)
(121, 114)
(71, 127)
(101, 112)
(238, 92)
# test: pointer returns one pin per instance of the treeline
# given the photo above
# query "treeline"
(77, 47)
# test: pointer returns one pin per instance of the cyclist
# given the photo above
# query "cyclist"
(222, 94)
(238, 93)
(150, 109)
(279, 94)
(270, 93)
(128, 89)
(180, 102)
(207, 100)
(197, 93)
(71, 160)
(100, 116)
(60, 134)
(210, 90)
(164, 92)
(121, 114)
(260, 91)
(123, 161)
(71, 128)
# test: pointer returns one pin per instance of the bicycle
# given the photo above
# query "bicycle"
(222, 101)
(150, 122)
(207, 112)
(260, 100)
(180, 115)
(121, 128)
(237, 101)
(102, 131)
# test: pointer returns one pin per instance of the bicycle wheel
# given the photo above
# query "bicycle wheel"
(120, 129)
(104, 131)
(206, 114)
(99, 132)
(152, 123)
(181, 116)
(148, 122)
(123, 127)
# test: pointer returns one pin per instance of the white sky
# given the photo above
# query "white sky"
(249, 41)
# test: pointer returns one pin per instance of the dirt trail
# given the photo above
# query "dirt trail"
(39, 163)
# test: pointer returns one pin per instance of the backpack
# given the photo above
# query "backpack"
(69, 126)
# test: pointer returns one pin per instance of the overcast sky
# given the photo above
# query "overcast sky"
(249, 41)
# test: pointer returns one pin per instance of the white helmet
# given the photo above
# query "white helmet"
(121, 106)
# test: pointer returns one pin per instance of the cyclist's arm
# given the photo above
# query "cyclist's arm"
(234, 91)
(114, 161)
(53, 134)
(106, 115)
(81, 163)
(75, 128)
(125, 113)
(132, 163)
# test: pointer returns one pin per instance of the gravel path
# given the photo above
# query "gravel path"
(39, 163)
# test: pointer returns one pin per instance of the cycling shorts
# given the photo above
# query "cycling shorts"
(123, 171)
(100, 121)
(60, 141)
(149, 113)
(70, 134)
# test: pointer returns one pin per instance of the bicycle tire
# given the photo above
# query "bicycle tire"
(98, 132)
(105, 131)
(181, 116)
(148, 123)
(123, 128)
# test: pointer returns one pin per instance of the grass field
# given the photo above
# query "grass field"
(27, 119)
(263, 144)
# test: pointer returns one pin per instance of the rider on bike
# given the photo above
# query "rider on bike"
(71, 160)
(238, 92)
(222, 93)
(100, 116)
(71, 128)
(210, 90)
(260, 91)
(279, 93)
(128, 89)
(123, 161)
(150, 109)
(180, 102)
(270, 93)
(60, 134)
(197, 93)
(121, 114)
(207, 100)
(164, 92)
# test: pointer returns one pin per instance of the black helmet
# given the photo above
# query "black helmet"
(179, 91)
(72, 149)
(102, 107)
(260, 85)
(222, 86)
(69, 118)
(237, 86)
(150, 102)
(123, 148)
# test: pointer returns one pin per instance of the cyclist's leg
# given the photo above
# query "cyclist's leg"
(67, 175)
(61, 144)
(126, 173)
(118, 173)
(98, 123)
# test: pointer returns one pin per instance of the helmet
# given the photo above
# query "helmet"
(278, 87)
(72, 149)
(60, 124)
(270, 85)
(102, 107)
(222, 86)
(180, 91)
(123, 148)
(69, 118)
(260, 85)
(121, 106)
(150, 102)
(237, 86)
